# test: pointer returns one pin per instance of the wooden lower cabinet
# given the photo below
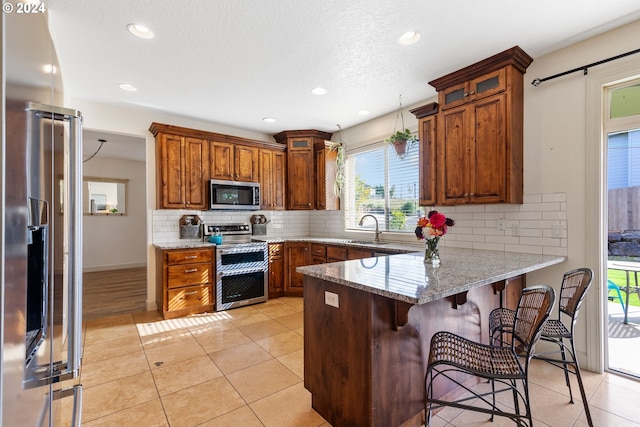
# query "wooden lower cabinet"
(276, 270)
(359, 253)
(336, 253)
(318, 253)
(284, 258)
(185, 281)
(296, 254)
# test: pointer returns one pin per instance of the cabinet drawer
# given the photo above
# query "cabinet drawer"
(359, 253)
(191, 256)
(193, 296)
(191, 274)
(318, 250)
(336, 253)
(276, 249)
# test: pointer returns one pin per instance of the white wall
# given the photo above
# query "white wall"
(564, 148)
(117, 241)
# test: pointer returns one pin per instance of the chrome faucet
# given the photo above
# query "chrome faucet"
(378, 232)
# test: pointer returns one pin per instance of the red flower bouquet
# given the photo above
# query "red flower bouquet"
(431, 228)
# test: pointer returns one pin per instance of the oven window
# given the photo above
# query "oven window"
(243, 257)
(242, 286)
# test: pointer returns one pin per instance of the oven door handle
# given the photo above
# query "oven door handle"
(238, 272)
(242, 248)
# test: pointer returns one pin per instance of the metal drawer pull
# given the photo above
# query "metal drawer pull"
(190, 293)
(191, 270)
(191, 257)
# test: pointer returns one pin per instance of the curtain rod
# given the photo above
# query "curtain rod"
(584, 68)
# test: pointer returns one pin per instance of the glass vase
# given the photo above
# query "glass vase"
(431, 252)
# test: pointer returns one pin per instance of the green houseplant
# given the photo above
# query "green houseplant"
(401, 141)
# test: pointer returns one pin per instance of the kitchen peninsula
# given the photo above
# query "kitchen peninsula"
(368, 324)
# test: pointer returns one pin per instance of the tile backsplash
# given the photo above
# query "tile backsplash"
(539, 225)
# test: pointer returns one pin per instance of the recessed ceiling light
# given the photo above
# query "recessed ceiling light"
(364, 112)
(50, 69)
(139, 30)
(410, 37)
(127, 87)
(269, 119)
(319, 91)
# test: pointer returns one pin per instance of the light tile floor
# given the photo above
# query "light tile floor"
(244, 367)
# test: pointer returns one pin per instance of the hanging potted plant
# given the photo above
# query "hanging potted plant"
(401, 139)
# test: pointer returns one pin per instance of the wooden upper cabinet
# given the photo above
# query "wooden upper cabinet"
(301, 170)
(427, 167)
(170, 171)
(479, 136)
(300, 180)
(325, 155)
(246, 164)
(196, 172)
(183, 167)
(486, 85)
(273, 179)
(187, 158)
(234, 162)
(222, 162)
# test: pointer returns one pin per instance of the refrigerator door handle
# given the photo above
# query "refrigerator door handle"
(73, 227)
(72, 252)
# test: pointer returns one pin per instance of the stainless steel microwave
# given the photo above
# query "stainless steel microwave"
(234, 195)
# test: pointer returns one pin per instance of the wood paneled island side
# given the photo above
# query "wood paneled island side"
(368, 324)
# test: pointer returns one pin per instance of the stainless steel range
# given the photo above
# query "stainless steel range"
(242, 266)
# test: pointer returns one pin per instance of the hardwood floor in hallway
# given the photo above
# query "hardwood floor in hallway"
(111, 292)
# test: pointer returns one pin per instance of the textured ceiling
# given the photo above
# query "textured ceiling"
(237, 61)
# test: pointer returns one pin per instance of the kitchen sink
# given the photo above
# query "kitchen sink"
(366, 242)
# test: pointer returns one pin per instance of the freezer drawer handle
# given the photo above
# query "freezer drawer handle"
(76, 391)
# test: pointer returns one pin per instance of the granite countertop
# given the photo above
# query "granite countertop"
(383, 246)
(185, 244)
(405, 277)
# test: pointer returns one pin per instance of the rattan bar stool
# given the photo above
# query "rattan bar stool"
(507, 365)
(575, 285)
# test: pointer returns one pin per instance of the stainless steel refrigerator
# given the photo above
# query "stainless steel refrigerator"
(42, 266)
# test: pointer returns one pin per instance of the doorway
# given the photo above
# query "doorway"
(115, 217)
(622, 310)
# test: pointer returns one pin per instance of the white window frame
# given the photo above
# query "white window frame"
(351, 224)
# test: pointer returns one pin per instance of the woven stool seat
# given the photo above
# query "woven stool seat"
(575, 285)
(451, 356)
(556, 329)
(479, 359)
